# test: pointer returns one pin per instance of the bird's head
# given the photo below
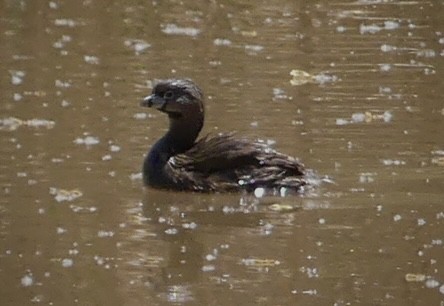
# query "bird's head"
(175, 97)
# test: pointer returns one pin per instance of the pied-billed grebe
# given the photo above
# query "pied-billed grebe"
(214, 163)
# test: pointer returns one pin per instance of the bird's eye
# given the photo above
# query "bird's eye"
(168, 95)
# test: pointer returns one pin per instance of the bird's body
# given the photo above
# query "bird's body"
(214, 163)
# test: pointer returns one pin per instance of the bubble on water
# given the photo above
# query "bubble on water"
(397, 218)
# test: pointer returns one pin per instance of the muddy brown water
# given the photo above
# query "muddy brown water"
(365, 110)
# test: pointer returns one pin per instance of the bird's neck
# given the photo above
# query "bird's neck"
(180, 137)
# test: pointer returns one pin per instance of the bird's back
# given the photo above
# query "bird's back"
(226, 163)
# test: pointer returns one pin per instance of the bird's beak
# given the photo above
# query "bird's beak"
(154, 101)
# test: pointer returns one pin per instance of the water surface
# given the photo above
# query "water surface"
(77, 226)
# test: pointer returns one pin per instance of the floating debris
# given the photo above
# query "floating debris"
(88, 141)
(282, 207)
(413, 277)
(173, 29)
(301, 77)
(366, 117)
(260, 263)
(12, 123)
(61, 195)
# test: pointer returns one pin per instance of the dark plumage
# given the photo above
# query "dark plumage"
(214, 163)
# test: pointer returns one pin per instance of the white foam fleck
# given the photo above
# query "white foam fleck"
(65, 23)
(105, 234)
(67, 262)
(208, 268)
(421, 222)
(222, 42)
(138, 45)
(431, 283)
(171, 231)
(27, 280)
(88, 140)
(91, 59)
(114, 148)
(173, 29)
(140, 116)
(358, 117)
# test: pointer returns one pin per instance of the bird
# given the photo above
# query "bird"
(214, 163)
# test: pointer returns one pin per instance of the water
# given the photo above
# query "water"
(365, 110)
